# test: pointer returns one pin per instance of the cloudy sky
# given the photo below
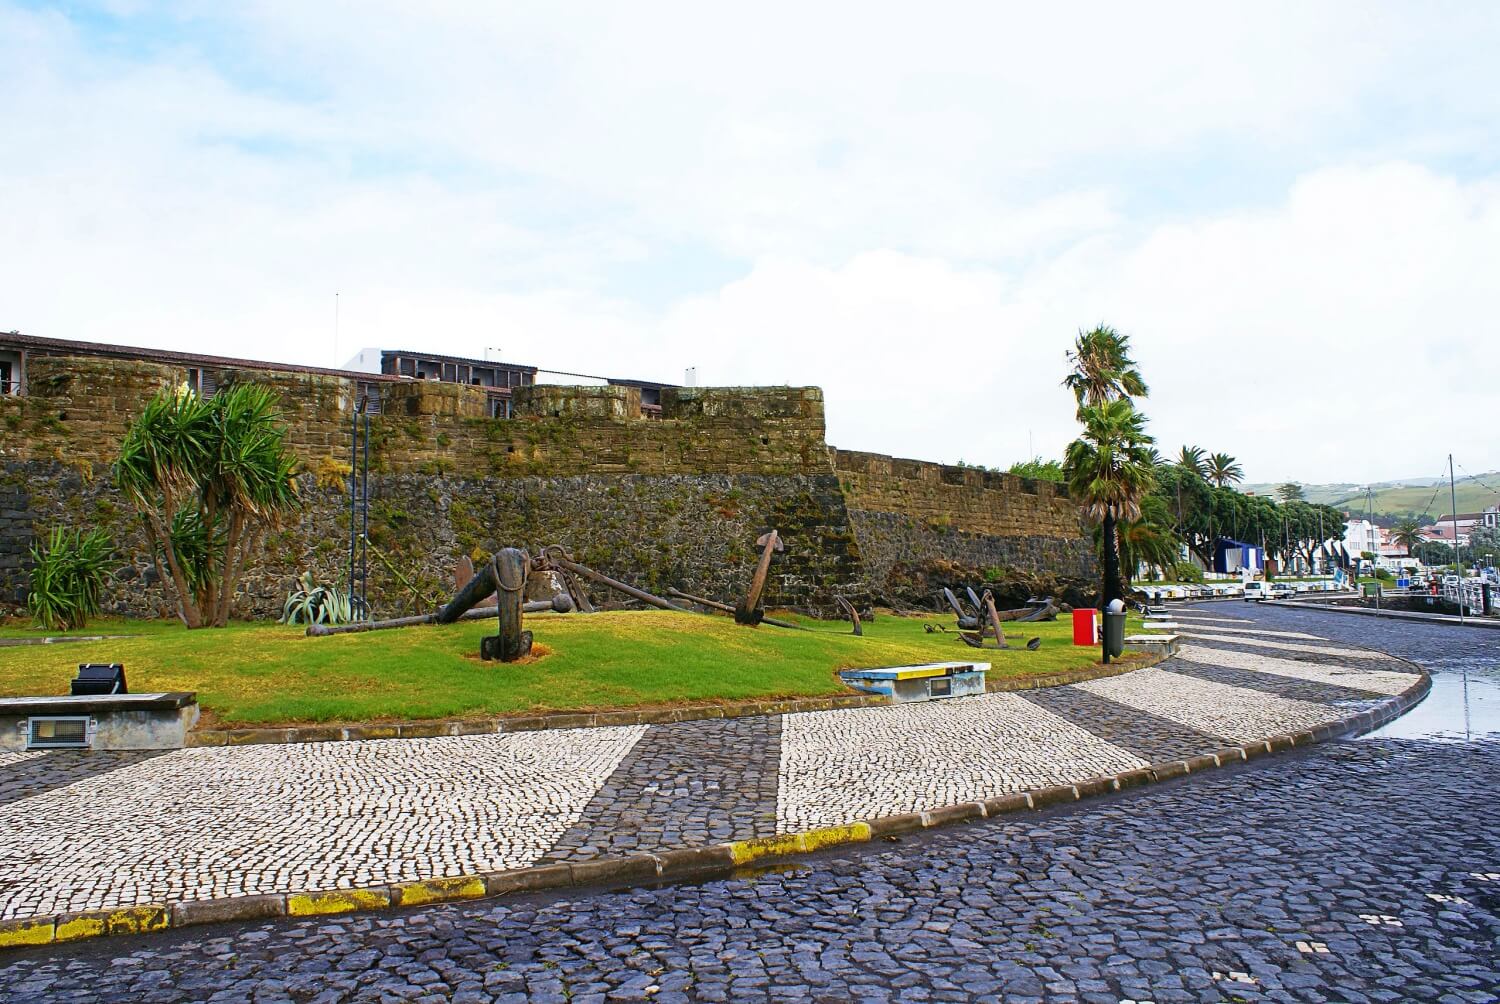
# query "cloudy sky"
(1293, 209)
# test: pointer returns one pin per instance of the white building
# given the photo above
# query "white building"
(1361, 535)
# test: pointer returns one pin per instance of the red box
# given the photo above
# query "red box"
(1084, 632)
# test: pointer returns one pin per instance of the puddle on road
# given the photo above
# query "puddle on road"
(1464, 706)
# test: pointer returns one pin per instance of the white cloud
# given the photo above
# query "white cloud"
(1289, 208)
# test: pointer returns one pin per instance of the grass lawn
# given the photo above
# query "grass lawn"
(272, 674)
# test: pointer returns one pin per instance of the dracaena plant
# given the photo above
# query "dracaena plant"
(209, 476)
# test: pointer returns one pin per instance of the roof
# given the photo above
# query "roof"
(468, 361)
(462, 360)
(14, 339)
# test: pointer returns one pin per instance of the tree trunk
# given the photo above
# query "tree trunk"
(187, 607)
(1112, 590)
(233, 548)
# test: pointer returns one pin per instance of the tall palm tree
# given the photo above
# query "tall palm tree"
(1108, 471)
(1194, 459)
(1408, 533)
(1224, 470)
(1102, 368)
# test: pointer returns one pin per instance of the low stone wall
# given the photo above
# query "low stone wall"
(913, 518)
(889, 540)
(968, 498)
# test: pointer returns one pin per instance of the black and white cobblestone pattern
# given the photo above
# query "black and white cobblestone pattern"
(841, 766)
(683, 785)
(1218, 709)
(210, 823)
(1389, 679)
(213, 823)
(1199, 891)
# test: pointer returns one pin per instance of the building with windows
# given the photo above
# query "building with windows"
(370, 369)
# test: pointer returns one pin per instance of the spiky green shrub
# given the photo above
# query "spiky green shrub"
(209, 477)
(67, 577)
(311, 603)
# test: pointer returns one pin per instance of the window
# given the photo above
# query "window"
(12, 373)
(203, 382)
(369, 396)
(499, 407)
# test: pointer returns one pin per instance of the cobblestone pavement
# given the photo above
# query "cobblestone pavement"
(841, 766)
(1364, 870)
(81, 832)
(209, 823)
(683, 785)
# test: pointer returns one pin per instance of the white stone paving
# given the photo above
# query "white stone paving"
(1184, 615)
(1218, 709)
(9, 758)
(1268, 632)
(1292, 646)
(1380, 681)
(860, 763)
(209, 823)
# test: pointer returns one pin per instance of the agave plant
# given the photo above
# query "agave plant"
(315, 604)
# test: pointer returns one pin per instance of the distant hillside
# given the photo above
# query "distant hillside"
(1397, 498)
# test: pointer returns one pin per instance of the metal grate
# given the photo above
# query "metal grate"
(59, 733)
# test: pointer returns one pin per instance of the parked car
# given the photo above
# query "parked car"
(1280, 591)
(1255, 591)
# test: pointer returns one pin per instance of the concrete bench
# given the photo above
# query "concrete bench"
(932, 681)
(109, 722)
(1165, 644)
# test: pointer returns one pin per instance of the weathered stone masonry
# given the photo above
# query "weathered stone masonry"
(671, 502)
(910, 512)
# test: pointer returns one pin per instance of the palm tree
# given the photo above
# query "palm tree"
(1192, 458)
(1150, 539)
(209, 477)
(1408, 533)
(1102, 368)
(1224, 470)
(1108, 471)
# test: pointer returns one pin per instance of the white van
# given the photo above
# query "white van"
(1255, 591)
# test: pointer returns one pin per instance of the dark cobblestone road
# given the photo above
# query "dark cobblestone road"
(1366, 870)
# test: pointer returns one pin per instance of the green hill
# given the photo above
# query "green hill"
(1428, 498)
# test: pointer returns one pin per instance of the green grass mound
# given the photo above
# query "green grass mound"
(261, 674)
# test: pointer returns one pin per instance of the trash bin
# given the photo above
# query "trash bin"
(1114, 629)
(1085, 629)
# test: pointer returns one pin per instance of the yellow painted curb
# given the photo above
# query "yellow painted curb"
(438, 890)
(311, 904)
(743, 851)
(17, 933)
(88, 926)
(135, 919)
(854, 833)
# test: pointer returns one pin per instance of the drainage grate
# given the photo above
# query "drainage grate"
(59, 733)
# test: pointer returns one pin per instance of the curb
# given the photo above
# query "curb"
(673, 865)
(658, 716)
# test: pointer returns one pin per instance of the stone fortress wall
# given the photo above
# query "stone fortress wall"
(674, 501)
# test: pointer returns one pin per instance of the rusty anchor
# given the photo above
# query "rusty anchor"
(749, 610)
(850, 612)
